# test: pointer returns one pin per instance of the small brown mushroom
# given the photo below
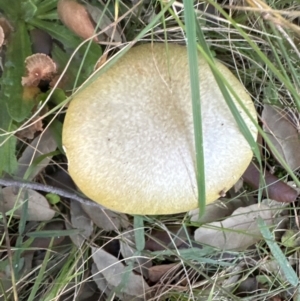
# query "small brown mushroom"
(129, 135)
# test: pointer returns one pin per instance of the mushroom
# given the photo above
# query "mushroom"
(129, 135)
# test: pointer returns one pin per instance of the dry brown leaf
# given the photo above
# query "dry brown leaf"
(76, 18)
(41, 145)
(158, 271)
(38, 206)
(106, 219)
(81, 221)
(283, 134)
(275, 189)
(112, 274)
(6, 27)
(36, 126)
(237, 232)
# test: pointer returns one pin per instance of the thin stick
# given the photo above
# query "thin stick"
(47, 188)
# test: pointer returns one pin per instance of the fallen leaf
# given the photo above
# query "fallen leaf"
(172, 237)
(217, 210)
(278, 125)
(274, 189)
(158, 271)
(106, 219)
(237, 232)
(36, 126)
(38, 206)
(247, 286)
(129, 252)
(80, 220)
(41, 145)
(125, 283)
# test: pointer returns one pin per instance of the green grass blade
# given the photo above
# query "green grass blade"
(285, 266)
(48, 233)
(39, 280)
(288, 84)
(190, 29)
(139, 232)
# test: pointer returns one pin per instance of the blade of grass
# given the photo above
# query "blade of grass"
(39, 280)
(196, 104)
(285, 266)
(264, 58)
(53, 234)
(139, 232)
(221, 82)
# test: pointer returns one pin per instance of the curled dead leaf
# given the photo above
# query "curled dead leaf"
(76, 18)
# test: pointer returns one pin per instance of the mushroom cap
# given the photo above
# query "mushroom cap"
(129, 135)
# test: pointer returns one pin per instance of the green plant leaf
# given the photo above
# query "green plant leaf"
(46, 6)
(12, 106)
(28, 10)
(18, 49)
(8, 160)
(61, 57)
(58, 32)
(10, 11)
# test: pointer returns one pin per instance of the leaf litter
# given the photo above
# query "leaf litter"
(112, 275)
(283, 133)
(171, 254)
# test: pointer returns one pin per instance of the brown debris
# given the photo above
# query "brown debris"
(158, 271)
(76, 18)
(1, 36)
(5, 30)
(275, 189)
(36, 125)
(39, 67)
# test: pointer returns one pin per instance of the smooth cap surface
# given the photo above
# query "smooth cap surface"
(129, 135)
